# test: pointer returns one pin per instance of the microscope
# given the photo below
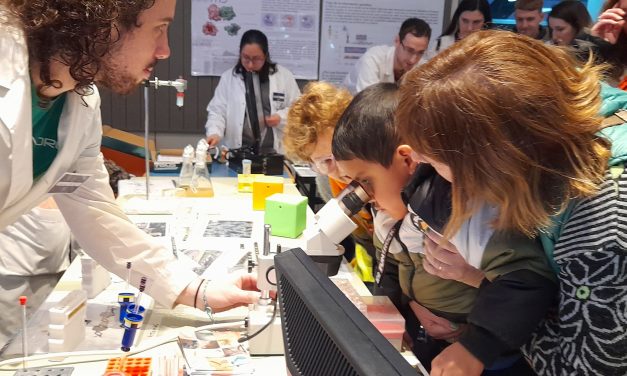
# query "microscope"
(331, 225)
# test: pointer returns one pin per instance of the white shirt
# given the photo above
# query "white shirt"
(376, 65)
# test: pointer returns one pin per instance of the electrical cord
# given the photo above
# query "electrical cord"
(247, 337)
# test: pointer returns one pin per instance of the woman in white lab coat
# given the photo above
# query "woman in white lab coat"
(227, 120)
(32, 70)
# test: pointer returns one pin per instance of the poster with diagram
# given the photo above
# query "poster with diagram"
(292, 28)
(350, 27)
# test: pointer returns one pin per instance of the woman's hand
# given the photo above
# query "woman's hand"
(443, 260)
(435, 326)
(213, 139)
(610, 25)
(455, 360)
(273, 120)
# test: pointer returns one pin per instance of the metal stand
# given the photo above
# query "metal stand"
(180, 85)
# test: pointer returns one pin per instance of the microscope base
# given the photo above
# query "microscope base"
(270, 340)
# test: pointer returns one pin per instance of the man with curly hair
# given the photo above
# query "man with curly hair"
(51, 54)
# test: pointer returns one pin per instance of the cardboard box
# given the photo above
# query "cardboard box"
(126, 150)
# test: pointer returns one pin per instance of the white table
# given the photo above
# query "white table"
(227, 204)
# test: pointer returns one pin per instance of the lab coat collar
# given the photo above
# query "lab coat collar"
(13, 69)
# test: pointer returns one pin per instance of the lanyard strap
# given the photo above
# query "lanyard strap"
(385, 250)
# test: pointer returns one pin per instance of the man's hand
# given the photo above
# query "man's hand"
(213, 139)
(435, 326)
(443, 260)
(610, 25)
(455, 360)
(239, 290)
(273, 120)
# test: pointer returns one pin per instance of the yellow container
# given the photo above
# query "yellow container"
(245, 182)
(264, 186)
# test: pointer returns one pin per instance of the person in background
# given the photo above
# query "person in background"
(227, 118)
(389, 63)
(528, 15)
(47, 92)
(569, 24)
(611, 28)
(526, 138)
(470, 16)
(567, 20)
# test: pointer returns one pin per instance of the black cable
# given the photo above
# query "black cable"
(247, 337)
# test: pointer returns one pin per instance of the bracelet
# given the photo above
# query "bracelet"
(208, 309)
(197, 290)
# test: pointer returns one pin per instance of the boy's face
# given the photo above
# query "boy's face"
(383, 184)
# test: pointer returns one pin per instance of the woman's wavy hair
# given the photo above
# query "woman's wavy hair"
(515, 120)
(319, 108)
(78, 33)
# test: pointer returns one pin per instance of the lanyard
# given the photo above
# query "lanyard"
(385, 250)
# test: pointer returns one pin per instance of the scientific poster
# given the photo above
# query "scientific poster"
(292, 28)
(350, 27)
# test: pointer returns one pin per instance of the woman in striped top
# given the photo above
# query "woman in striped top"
(525, 136)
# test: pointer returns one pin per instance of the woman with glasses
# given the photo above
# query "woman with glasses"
(275, 89)
(470, 16)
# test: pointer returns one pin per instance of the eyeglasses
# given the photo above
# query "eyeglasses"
(253, 60)
(323, 165)
(411, 52)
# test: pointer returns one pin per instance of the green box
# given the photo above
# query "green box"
(287, 214)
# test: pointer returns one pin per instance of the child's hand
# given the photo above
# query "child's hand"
(455, 360)
(435, 326)
(610, 25)
(445, 262)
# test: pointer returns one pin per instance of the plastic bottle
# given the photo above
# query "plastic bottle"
(201, 182)
(187, 169)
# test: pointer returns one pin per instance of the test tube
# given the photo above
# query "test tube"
(142, 287)
(23, 300)
(128, 274)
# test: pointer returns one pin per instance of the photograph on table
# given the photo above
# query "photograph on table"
(203, 258)
(154, 229)
(228, 229)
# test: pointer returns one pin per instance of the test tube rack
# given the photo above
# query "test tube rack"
(67, 322)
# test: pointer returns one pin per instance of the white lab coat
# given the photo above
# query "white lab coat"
(34, 252)
(98, 224)
(37, 243)
(227, 108)
(376, 65)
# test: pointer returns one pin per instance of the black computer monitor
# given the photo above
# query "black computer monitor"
(323, 332)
